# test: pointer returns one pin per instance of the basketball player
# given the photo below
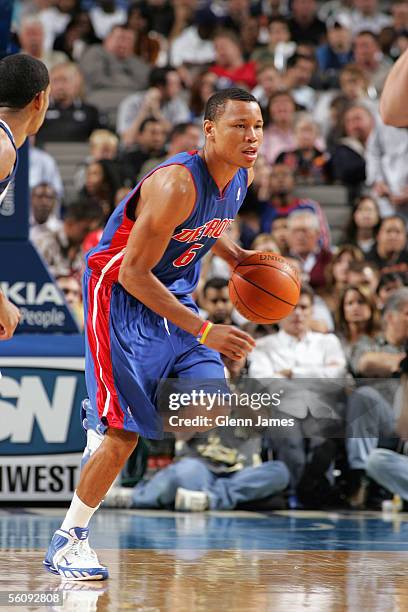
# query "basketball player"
(141, 322)
(393, 106)
(24, 92)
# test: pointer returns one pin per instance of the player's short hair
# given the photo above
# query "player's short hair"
(22, 77)
(215, 106)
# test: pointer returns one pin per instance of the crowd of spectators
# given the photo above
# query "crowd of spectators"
(318, 70)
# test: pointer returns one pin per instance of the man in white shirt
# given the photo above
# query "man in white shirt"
(297, 352)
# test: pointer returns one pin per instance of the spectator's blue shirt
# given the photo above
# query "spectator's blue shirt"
(329, 59)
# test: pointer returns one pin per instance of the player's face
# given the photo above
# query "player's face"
(237, 133)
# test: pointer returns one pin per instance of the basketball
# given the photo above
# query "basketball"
(264, 287)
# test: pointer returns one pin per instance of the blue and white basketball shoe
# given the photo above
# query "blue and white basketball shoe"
(70, 556)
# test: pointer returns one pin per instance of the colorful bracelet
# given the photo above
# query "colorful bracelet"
(204, 331)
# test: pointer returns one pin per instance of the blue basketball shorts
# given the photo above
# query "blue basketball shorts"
(129, 349)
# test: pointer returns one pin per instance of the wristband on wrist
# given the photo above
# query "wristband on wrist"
(204, 331)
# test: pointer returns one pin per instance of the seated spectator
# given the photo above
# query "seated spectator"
(337, 274)
(303, 238)
(265, 242)
(356, 316)
(363, 274)
(297, 352)
(387, 173)
(364, 223)
(387, 285)
(297, 79)
(278, 199)
(216, 302)
(183, 137)
(322, 319)
(194, 45)
(202, 87)
(249, 37)
(370, 414)
(31, 37)
(162, 100)
(77, 36)
(306, 160)
(305, 26)
(62, 249)
(103, 144)
(353, 90)
(72, 290)
(217, 470)
(114, 66)
(393, 38)
(147, 45)
(390, 253)
(43, 205)
(56, 18)
(149, 144)
(337, 52)
(278, 39)
(43, 169)
(269, 82)
(102, 181)
(230, 67)
(279, 233)
(347, 163)
(389, 469)
(367, 17)
(368, 56)
(68, 118)
(105, 14)
(279, 134)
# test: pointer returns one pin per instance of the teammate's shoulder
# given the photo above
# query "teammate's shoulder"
(7, 155)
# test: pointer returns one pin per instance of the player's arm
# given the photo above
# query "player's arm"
(167, 199)
(7, 156)
(393, 105)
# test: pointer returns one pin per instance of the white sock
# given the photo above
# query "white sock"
(78, 515)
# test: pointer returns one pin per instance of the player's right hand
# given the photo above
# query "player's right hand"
(9, 318)
(230, 341)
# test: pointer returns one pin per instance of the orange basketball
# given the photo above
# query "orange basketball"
(264, 287)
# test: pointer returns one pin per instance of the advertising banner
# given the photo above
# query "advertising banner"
(41, 437)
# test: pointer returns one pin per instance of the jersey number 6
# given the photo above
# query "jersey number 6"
(185, 258)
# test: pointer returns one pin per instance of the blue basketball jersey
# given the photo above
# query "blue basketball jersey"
(4, 184)
(212, 214)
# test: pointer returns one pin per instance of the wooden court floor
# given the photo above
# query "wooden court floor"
(162, 561)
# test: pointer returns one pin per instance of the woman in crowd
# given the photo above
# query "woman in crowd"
(279, 135)
(101, 184)
(364, 223)
(78, 34)
(202, 88)
(337, 274)
(356, 316)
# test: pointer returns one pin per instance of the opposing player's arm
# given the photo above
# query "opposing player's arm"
(167, 199)
(393, 106)
(7, 156)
